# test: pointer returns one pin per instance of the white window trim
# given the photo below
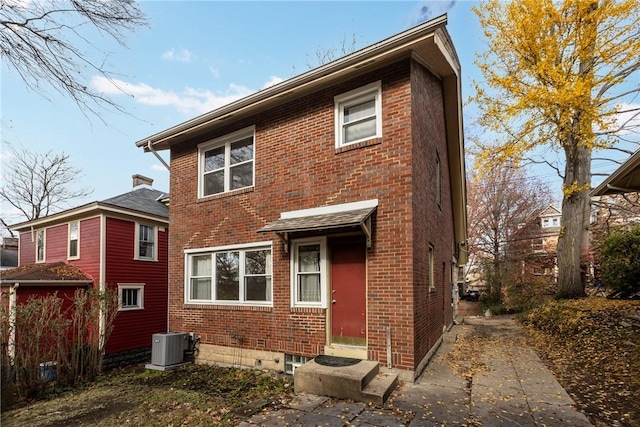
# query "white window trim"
(352, 97)
(44, 245)
(188, 253)
(137, 256)
(431, 269)
(137, 286)
(324, 271)
(218, 142)
(77, 256)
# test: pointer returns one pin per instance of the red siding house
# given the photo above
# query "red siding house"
(325, 214)
(120, 242)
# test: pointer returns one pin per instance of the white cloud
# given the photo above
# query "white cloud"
(159, 168)
(273, 80)
(628, 120)
(182, 56)
(214, 72)
(190, 101)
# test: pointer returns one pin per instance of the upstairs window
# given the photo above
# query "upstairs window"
(146, 242)
(227, 163)
(358, 115)
(40, 246)
(438, 181)
(74, 239)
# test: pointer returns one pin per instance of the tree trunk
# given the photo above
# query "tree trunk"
(573, 243)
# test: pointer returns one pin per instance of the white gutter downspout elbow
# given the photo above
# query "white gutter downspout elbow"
(155, 153)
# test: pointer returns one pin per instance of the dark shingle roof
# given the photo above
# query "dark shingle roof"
(145, 200)
(44, 272)
(320, 222)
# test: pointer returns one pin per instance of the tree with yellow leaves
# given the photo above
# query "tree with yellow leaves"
(555, 74)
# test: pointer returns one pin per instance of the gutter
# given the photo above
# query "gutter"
(296, 84)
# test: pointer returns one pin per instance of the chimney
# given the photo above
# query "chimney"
(141, 180)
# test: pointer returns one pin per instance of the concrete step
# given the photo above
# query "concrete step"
(380, 388)
(360, 382)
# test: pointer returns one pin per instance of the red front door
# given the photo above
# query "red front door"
(348, 294)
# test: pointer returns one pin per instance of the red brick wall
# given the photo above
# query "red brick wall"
(298, 167)
(432, 222)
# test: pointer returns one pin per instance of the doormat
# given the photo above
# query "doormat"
(325, 360)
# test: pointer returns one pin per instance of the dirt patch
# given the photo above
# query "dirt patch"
(192, 395)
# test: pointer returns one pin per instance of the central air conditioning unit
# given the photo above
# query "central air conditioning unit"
(168, 349)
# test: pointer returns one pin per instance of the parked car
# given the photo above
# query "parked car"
(472, 295)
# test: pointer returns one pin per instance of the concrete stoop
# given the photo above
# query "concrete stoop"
(361, 382)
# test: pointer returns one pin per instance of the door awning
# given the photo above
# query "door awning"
(357, 214)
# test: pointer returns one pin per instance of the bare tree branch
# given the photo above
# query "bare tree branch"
(47, 44)
(37, 184)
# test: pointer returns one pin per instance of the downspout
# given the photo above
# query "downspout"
(155, 153)
(13, 301)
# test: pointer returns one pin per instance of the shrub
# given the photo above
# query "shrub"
(40, 332)
(620, 260)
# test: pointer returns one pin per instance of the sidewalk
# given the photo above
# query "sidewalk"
(507, 385)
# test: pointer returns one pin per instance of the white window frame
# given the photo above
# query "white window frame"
(154, 255)
(77, 239)
(438, 181)
(226, 141)
(295, 244)
(431, 266)
(242, 249)
(139, 287)
(372, 91)
(41, 232)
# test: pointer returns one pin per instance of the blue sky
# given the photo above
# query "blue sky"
(196, 56)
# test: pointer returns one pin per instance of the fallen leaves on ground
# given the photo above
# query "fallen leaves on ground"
(592, 347)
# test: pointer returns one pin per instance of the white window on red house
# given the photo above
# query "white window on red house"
(227, 163)
(74, 239)
(358, 115)
(131, 296)
(146, 242)
(40, 242)
(230, 275)
(309, 283)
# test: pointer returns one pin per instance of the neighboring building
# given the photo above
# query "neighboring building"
(625, 179)
(534, 247)
(121, 243)
(9, 253)
(325, 214)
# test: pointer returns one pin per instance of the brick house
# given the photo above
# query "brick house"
(120, 242)
(534, 246)
(325, 214)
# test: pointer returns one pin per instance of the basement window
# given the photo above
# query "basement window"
(291, 362)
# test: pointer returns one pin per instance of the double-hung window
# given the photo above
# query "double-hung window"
(309, 284)
(227, 163)
(131, 296)
(146, 237)
(358, 115)
(239, 275)
(40, 242)
(73, 250)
